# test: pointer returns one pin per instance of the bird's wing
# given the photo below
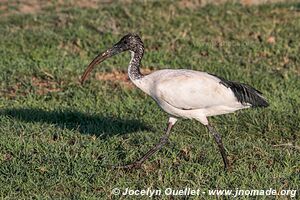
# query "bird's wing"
(188, 90)
(245, 94)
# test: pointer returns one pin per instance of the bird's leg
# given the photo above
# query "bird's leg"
(218, 140)
(157, 147)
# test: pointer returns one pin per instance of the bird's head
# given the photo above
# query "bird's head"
(130, 42)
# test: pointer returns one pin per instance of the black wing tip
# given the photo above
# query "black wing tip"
(261, 102)
(244, 93)
(255, 98)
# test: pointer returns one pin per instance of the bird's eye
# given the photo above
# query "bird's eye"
(125, 42)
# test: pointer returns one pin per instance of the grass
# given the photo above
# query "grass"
(58, 138)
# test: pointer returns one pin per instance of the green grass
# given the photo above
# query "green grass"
(58, 138)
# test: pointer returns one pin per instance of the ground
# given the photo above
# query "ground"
(58, 139)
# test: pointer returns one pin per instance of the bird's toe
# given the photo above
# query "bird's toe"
(132, 166)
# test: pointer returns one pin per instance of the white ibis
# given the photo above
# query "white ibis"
(182, 93)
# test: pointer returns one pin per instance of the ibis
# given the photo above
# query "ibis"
(182, 93)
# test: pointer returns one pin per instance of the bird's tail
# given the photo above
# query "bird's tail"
(246, 94)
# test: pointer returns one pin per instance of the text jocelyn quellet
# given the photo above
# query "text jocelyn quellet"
(158, 192)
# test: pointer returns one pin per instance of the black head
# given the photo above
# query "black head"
(130, 42)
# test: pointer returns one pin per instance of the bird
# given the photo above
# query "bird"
(182, 93)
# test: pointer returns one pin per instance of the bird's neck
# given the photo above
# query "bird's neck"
(134, 72)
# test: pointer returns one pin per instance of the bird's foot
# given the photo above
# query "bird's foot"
(135, 165)
(227, 168)
(227, 165)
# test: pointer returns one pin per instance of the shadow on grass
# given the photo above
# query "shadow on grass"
(86, 124)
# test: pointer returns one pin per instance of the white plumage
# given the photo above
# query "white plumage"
(189, 94)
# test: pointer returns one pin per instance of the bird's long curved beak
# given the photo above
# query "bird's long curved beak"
(100, 58)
